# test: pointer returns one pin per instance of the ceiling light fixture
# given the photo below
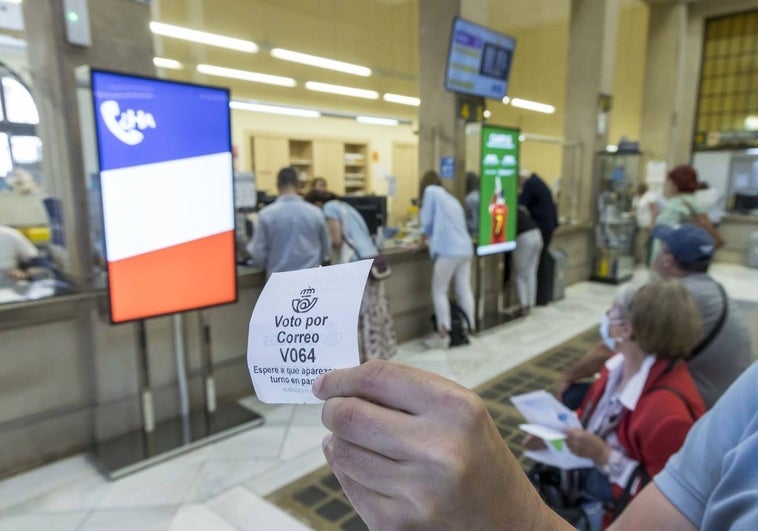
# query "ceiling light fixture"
(404, 100)
(532, 106)
(246, 75)
(506, 100)
(375, 120)
(273, 109)
(163, 62)
(320, 62)
(211, 39)
(342, 91)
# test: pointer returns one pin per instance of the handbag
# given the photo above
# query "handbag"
(703, 221)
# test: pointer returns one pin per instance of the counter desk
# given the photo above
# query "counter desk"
(70, 377)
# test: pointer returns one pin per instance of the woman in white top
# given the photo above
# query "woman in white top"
(444, 223)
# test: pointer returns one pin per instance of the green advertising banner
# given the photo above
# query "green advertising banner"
(498, 190)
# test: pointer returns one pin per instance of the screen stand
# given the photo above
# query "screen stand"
(160, 440)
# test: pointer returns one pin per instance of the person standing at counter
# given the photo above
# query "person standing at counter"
(15, 254)
(526, 257)
(291, 234)
(681, 205)
(472, 204)
(444, 224)
(535, 195)
(351, 239)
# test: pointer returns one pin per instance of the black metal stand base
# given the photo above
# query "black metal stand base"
(137, 450)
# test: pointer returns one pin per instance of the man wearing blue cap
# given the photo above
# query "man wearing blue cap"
(724, 350)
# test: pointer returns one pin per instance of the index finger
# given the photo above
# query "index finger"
(387, 383)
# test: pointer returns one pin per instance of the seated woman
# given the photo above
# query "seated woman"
(352, 241)
(638, 412)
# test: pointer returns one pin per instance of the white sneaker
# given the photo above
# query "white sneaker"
(436, 341)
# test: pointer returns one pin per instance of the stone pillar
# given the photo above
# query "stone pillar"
(662, 106)
(440, 132)
(121, 40)
(591, 52)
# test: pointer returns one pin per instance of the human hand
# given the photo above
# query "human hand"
(530, 442)
(17, 274)
(413, 450)
(561, 386)
(586, 444)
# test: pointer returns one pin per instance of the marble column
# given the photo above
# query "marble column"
(664, 72)
(591, 53)
(441, 133)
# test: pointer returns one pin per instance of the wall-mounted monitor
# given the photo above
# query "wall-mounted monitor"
(479, 60)
(167, 193)
(498, 190)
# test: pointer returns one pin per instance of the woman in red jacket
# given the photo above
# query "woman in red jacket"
(638, 412)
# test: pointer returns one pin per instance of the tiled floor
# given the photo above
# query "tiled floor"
(222, 486)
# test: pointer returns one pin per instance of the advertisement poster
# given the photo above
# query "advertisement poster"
(167, 191)
(498, 190)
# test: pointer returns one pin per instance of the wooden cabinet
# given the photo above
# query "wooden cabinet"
(344, 164)
(327, 163)
(269, 155)
(356, 168)
(301, 158)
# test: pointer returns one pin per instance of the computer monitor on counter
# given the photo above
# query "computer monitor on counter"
(373, 208)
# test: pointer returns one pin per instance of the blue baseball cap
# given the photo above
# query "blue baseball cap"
(688, 243)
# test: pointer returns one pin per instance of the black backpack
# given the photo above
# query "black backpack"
(459, 325)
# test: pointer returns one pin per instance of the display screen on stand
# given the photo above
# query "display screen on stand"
(498, 190)
(167, 192)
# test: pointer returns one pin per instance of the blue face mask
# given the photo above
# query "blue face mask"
(605, 332)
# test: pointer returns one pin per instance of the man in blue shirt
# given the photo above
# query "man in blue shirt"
(291, 234)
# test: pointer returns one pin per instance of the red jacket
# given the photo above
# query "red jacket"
(657, 427)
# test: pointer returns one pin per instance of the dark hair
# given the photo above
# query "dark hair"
(684, 178)
(287, 177)
(429, 178)
(316, 180)
(317, 196)
(642, 188)
(472, 181)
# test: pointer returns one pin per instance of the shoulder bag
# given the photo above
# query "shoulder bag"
(703, 221)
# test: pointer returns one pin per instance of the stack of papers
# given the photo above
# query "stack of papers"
(547, 419)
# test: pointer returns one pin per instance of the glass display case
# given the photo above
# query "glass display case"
(616, 179)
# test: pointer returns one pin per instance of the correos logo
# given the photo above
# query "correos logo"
(127, 126)
(500, 140)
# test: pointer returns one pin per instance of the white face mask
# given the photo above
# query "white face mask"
(605, 333)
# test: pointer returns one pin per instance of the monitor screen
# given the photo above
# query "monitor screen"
(479, 60)
(373, 208)
(498, 190)
(167, 194)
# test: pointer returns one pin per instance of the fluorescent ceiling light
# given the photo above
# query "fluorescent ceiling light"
(211, 39)
(506, 100)
(533, 106)
(376, 120)
(343, 91)
(246, 75)
(405, 100)
(274, 109)
(320, 62)
(162, 62)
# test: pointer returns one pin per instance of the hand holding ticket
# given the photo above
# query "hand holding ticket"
(305, 323)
